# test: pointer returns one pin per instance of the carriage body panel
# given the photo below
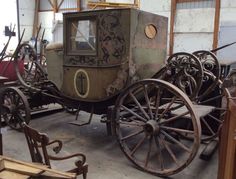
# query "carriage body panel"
(107, 50)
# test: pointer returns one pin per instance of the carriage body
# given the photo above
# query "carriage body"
(107, 50)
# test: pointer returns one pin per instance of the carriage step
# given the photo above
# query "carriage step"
(201, 110)
(79, 123)
(209, 150)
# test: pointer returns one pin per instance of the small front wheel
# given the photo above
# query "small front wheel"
(14, 107)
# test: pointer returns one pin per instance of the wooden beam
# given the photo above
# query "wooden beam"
(59, 6)
(69, 9)
(182, 1)
(55, 9)
(216, 24)
(78, 5)
(137, 3)
(46, 10)
(36, 17)
(51, 3)
(172, 22)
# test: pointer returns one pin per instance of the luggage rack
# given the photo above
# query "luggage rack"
(103, 4)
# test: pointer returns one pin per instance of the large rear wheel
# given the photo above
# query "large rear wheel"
(151, 118)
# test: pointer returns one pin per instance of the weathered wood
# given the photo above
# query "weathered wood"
(216, 24)
(227, 149)
(10, 174)
(15, 169)
(201, 110)
(22, 169)
(209, 150)
(172, 21)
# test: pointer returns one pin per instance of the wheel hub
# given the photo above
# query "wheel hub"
(152, 127)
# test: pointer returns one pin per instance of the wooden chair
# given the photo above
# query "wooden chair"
(38, 142)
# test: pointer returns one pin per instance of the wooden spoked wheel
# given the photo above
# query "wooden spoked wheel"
(185, 71)
(33, 71)
(212, 122)
(151, 117)
(210, 94)
(211, 72)
(14, 107)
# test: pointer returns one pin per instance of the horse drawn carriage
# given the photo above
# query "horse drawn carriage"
(113, 63)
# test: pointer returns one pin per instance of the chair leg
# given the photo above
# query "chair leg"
(84, 175)
(85, 171)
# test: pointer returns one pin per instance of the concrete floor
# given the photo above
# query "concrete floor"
(105, 159)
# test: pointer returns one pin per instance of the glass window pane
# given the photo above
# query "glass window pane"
(83, 35)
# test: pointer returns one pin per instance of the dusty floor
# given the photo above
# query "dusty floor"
(105, 159)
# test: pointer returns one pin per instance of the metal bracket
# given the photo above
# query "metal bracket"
(85, 123)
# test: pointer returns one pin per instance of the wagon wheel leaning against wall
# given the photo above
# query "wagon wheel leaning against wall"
(185, 71)
(199, 79)
(148, 118)
(14, 107)
(211, 94)
(33, 71)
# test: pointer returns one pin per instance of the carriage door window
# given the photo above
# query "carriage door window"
(83, 36)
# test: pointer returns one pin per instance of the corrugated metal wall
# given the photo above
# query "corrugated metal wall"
(67, 4)
(44, 5)
(197, 4)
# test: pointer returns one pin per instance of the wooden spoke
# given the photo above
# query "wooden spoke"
(170, 151)
(5, 106)
(148, 101)
(211, 99)
(219, 121)
(139, 105)
(174, 118)
(17, 101)
(131, 112)
(20, 106)
(136, 147)
(159, 153)
(132, 135)
(176, 129)
(207, 125)
(168, 107)
(11, 118)
(8, 99)
(176, 141)
(149, 151)
(222, 114)
(20, 118)
(157, 101)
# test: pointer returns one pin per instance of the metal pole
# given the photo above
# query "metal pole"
(18, 18)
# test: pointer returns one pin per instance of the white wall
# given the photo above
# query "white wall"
(228, 10)
(46, 20)
(227, 32)
(26, 17)
(193, 28)
(11, 19)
